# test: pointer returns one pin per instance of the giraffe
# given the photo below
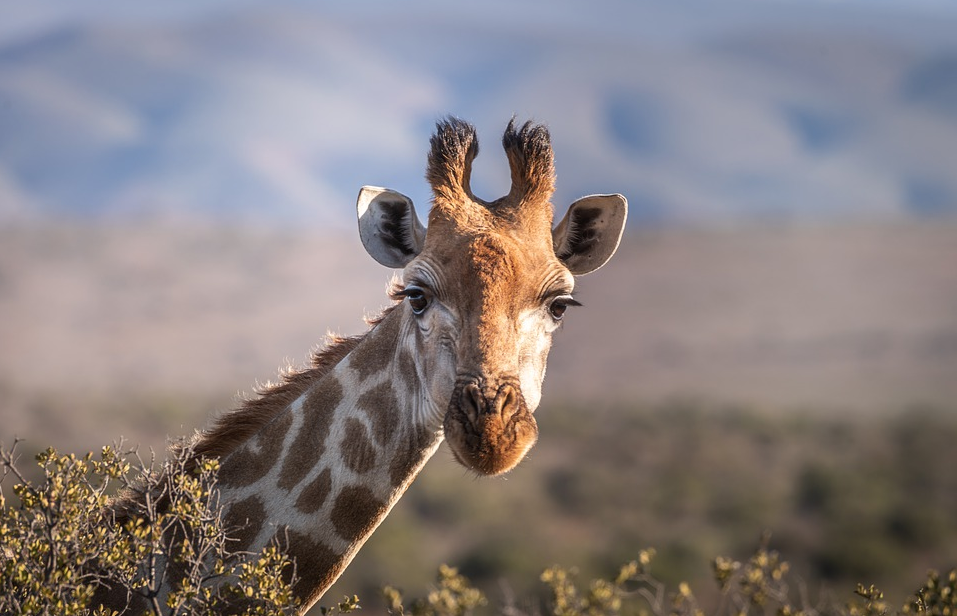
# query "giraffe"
(316, 462)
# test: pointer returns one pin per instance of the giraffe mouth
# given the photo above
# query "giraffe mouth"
(489, 430)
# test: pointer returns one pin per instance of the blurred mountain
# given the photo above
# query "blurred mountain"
(799, 110)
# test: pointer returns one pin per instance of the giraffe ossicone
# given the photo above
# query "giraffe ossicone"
(317, 462)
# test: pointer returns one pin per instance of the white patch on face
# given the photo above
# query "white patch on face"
(535, 333)
(435, 354)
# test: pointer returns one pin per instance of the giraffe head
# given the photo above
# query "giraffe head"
(486, 284)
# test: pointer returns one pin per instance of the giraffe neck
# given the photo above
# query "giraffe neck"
(324, 472)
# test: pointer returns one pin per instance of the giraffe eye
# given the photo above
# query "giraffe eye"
(559, 305)
(417, 300)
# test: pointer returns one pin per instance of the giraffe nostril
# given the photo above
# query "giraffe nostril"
(472, 402)
(507, 402)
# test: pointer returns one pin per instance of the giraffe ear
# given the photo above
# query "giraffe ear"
(589, 234)
(388, 226)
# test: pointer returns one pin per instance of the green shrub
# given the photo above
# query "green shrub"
(453, 595)
(59, 544)
(761, 585)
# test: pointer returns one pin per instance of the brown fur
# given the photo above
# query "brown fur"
(380, 405)
(449, 170)
(317, 566)
(309, 442)
(356, 512)
(358, 452)
(246, 465)
(410, 458)
(531, 161)
(314, 495)
(247, 517)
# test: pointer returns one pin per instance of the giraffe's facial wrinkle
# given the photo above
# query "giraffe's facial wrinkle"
(489, 428)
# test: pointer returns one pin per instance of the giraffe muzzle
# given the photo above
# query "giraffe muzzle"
(489, 429)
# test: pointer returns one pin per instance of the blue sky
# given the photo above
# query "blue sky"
(697, 111)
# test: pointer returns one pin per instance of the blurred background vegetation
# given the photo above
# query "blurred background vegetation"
(847, 499)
